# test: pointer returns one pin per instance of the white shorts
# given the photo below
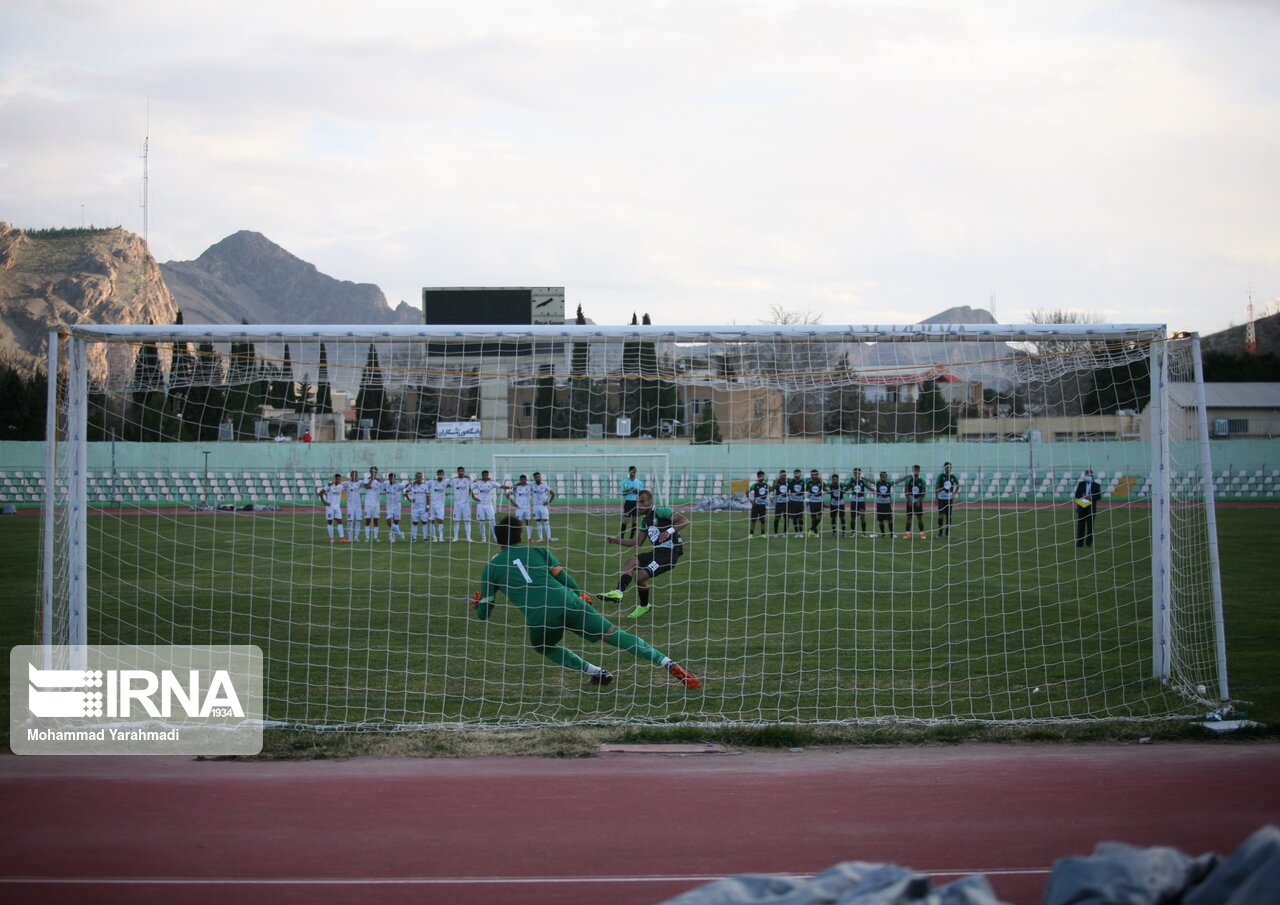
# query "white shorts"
(418, 513)
(333, 513)
(372, 508)
(354, 512)
(393, 513)
(484, 512)
(461, 512)
(540, 514)
(436, 514)
(522, 513)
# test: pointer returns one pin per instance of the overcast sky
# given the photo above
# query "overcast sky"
(702, 161)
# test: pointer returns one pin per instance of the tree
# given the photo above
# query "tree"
(706, 430)
(23, 397)
(1229, 367)
(371, 399)
(544, 401)
(579, 385)
(648, 402)
(323, 403)
(181, 374)
(934, 411)
(205, 407)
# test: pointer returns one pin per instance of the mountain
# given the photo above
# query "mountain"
(248, 278)
(1231, 340)
(55, 277)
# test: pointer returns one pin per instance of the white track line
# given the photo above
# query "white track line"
(449, 881)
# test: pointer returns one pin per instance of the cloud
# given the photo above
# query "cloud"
(714, 157)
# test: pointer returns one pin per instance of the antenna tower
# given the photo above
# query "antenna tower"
(1250, 330)
(146, 147)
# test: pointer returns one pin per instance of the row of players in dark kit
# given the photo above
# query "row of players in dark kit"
(794, 497)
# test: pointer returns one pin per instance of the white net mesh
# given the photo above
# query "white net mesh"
(190, 507)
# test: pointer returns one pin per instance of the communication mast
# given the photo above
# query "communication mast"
(146, 146)
(1250, 330)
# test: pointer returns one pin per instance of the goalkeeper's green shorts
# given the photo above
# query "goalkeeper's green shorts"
(547, 626)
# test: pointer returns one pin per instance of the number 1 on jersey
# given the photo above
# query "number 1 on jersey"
(523, 571)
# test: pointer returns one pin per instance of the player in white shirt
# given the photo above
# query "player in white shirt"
(417, 493)
(435, 507)
(395, 496)
(331, 496)
(542, 497)
(482, 491)
(372, 487)
(460, 484)
(355, 507)
(521, 496)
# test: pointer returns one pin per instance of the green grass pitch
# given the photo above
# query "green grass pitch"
(1006, 621)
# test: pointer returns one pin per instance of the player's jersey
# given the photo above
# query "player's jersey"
(333, 494)
(759, 493)
(483, 491)
(915, 491)
(630, 487)
(541, 494)
(795, 492)
(781, 492)
(884, 493)
(352, 489)
(418, 493)
(435, 491)
(660, 517)
(520, 495)
(858, 490)
(837, 495)
(395, 494)
(373, 488)
(523, 573)
(813, 491)
(947, 486)
(461, 488)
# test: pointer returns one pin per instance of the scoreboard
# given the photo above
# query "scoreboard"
(493, 305)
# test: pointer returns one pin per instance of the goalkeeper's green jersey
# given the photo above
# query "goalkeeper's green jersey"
(524, 574)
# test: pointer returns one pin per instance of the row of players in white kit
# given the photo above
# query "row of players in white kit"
(365, 505)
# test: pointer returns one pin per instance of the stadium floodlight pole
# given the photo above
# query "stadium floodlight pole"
(1211, 521)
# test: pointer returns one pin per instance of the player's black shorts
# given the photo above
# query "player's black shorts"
(758, 510)
(857, 505)
(884, 509)
(780, 508)
(663, 559)
(944, 507)
(914, 506)
(815, 507)
(628, 508)
(795, 507)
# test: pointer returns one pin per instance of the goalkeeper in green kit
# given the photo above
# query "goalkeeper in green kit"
(544, 591)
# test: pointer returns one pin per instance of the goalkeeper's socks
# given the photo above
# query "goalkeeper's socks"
(637, 647)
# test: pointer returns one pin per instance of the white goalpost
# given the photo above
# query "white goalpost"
(1033, 540)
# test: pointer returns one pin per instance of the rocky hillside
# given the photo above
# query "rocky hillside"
(1231, 340)
(248, 278)
(52, 278)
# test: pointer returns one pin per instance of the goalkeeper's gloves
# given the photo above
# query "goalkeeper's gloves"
(586, 598)
(654, 533)
(476, 600)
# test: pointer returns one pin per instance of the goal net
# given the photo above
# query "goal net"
(878, 524)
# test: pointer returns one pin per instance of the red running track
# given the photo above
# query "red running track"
(617, 828)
